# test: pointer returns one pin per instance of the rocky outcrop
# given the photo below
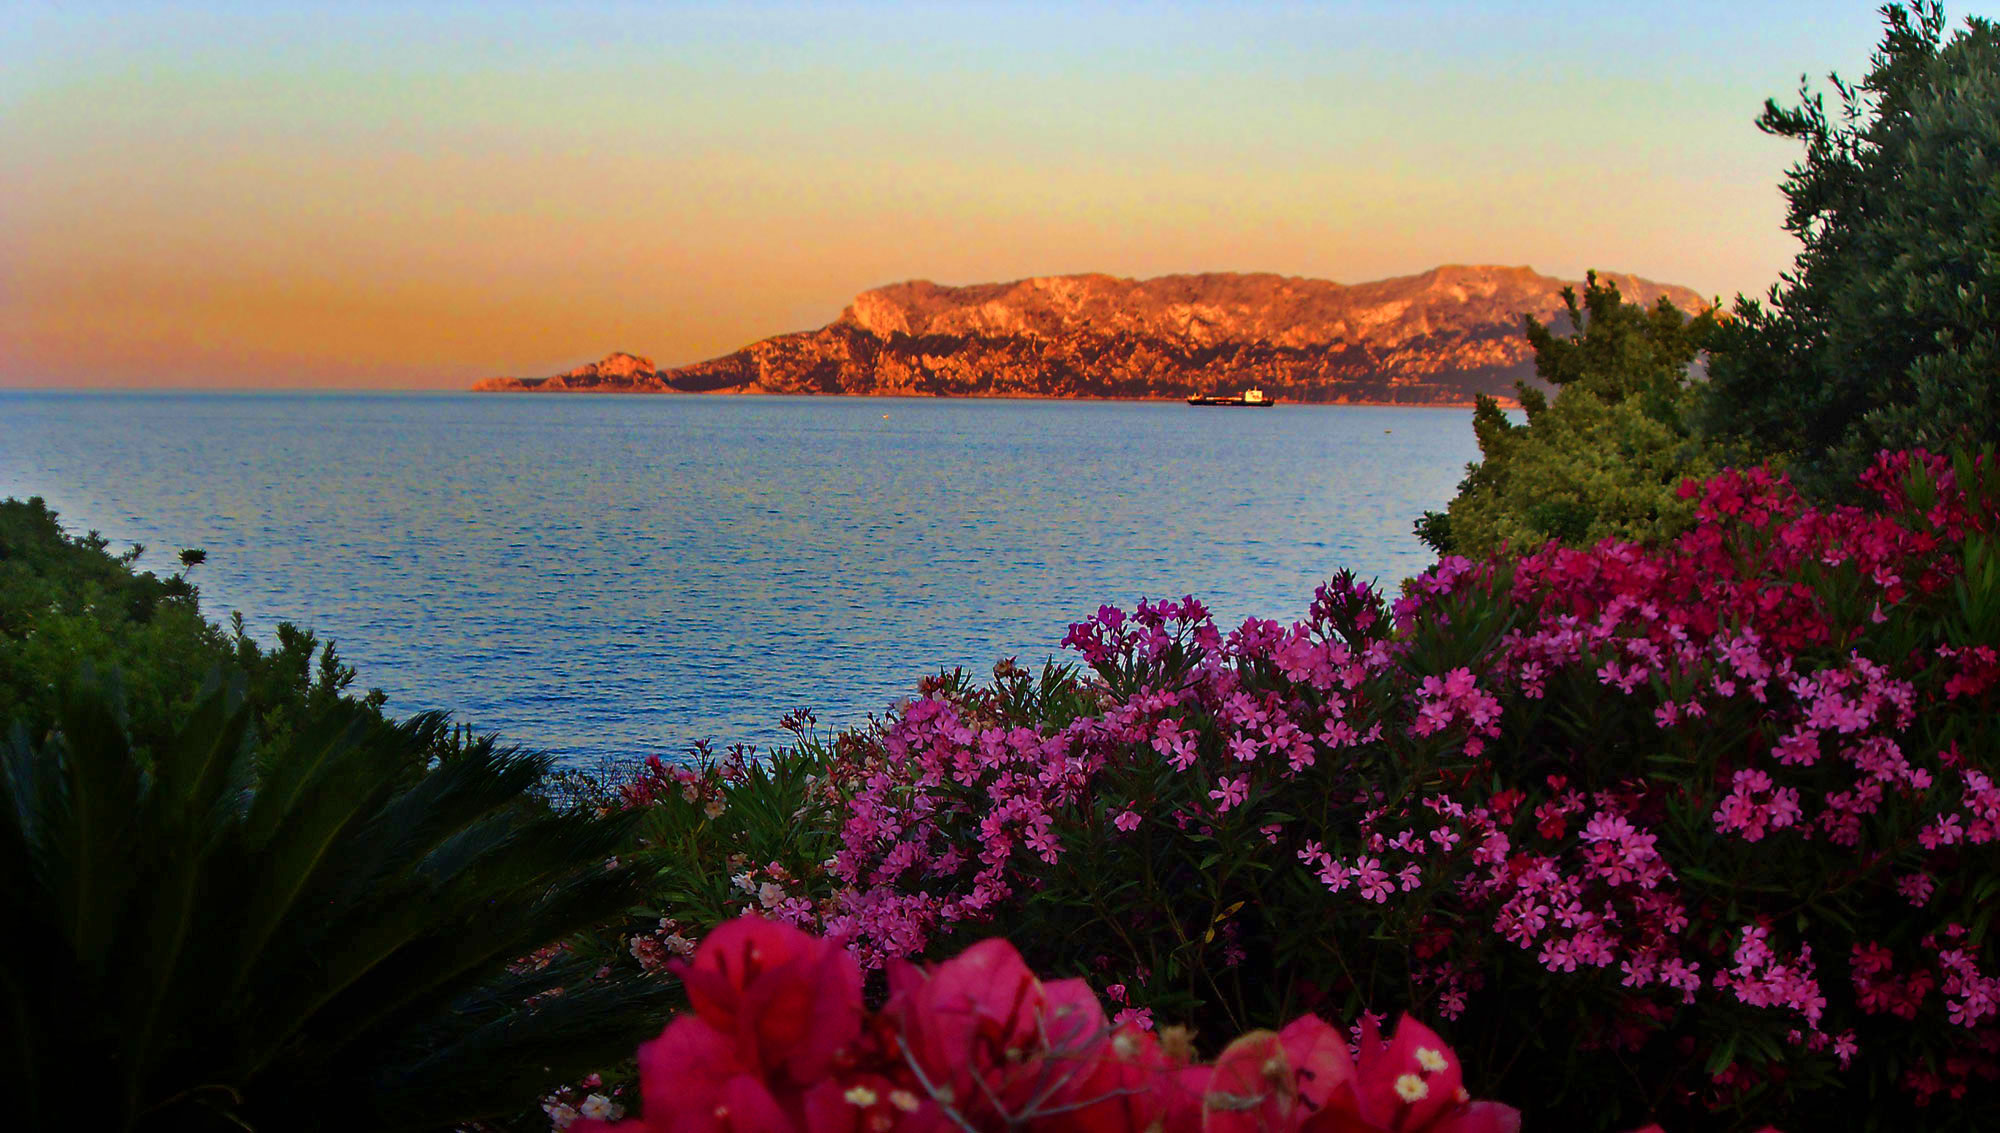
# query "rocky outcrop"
(614, 373)
(1437, 338)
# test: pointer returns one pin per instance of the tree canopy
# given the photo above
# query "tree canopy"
(1605, 457)
(1886, 332)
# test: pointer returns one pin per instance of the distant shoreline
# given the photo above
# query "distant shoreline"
(459, 391)
(1440, 338)
(1281, 403)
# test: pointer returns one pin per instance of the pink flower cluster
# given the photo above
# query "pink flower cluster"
(778, 1040)
(703, 778)
(1677, 778)
(959, 797)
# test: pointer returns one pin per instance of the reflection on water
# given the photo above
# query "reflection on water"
(611, 576)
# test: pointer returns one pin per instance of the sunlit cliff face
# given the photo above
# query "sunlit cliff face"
(218, 194)
(1442, 337)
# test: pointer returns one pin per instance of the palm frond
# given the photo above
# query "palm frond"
(318, 935)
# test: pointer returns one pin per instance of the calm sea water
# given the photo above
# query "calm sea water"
(613, 577)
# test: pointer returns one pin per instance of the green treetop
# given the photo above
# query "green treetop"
(1886, 332)
(1603, 459)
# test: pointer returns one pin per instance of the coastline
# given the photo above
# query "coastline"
(112, 392)
(1281, 403)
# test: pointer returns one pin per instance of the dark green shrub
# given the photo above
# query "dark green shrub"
(1886, 333)
(68, 604)
(325, 934)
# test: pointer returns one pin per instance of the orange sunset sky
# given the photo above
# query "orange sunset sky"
(419, 196)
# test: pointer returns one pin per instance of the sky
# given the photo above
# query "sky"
(364, 195)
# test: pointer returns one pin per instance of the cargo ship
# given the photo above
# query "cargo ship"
(1251, 397)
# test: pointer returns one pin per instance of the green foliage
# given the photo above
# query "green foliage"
(265, 906)
(696, 843)
(1603, 460)
(1886, 333)
(320, 935)
(67, 603)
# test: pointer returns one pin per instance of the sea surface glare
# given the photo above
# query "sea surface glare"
(611, 577)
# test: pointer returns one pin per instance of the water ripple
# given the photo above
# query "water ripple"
(615, 576)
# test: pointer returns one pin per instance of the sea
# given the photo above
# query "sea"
(613, 577)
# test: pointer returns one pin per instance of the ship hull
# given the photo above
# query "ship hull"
(1232, 402)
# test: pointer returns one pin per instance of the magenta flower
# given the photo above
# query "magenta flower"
(1230, 793)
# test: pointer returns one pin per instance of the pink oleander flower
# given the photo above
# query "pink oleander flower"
(1230, 793)
(1736, 674)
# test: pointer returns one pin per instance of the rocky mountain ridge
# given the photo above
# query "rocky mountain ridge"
(1438, 338)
